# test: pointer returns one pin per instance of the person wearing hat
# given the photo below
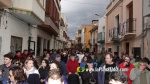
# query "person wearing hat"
(7, 65)
(72, 65)
(90, 76)
(58, 59)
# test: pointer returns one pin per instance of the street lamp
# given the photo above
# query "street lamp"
(100, 16)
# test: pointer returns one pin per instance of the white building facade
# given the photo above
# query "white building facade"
(101, 33)
(19, 27)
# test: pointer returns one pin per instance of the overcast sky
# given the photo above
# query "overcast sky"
(82, 12)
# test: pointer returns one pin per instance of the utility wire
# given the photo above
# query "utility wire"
(84, 3)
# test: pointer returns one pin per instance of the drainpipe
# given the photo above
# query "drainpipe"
(142, 40)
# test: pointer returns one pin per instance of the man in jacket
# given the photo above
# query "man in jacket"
(72, 65)
(126, 65)
(7, 65)
(140, 75)
(58, 59)
(107, 68)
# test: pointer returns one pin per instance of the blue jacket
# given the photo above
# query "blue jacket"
(3, 80)
(64, 69)
(33, 79)
(65, 80)
(53, 57)
(101, 74)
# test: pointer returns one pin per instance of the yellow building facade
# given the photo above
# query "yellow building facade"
(87, 36)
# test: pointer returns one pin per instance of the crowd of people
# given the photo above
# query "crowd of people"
(70, 66)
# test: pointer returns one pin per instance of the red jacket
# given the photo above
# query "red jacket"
(72, 66)
(127, 72)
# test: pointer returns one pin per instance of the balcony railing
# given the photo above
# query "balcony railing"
(114, 34)
(101, 37)
(128, 28)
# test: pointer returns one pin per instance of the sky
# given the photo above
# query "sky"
(80, 12)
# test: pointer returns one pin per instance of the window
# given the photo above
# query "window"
(16, 44)
(117, 23)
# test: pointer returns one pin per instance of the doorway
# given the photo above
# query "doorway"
(127, 48)
(137, 52)
(38, 50)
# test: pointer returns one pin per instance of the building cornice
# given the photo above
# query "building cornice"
(113, 7)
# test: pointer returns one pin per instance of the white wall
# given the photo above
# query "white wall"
(82, 36)
(14, 27)
(101, 23)
(146, 7)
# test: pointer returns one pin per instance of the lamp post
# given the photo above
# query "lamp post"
(100, 16)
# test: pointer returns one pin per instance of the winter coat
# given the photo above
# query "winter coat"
(64, 58)
(87, 77)
(135, 76)
(65, 80)
(101, 74)
(127, 72)
(5, 73)
(3, 81)
(33, 76)
(43, 72)
(64, 69)
(73, 79)
(72, 66)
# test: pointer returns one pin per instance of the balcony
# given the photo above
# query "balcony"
(101, 37)
(114, 34)
(5, 3)
(30, 11)
(50, 27)
(128, 29)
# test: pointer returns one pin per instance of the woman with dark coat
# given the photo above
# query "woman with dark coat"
(43, 70)
(17, 75)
